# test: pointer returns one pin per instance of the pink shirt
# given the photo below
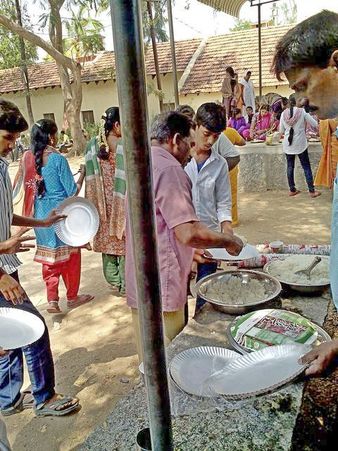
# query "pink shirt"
(173, 204)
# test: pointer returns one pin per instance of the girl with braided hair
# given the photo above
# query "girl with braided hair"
(47, 181)
(106, 188)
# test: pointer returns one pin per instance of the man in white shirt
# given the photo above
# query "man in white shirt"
(293, 125)
(209, 174)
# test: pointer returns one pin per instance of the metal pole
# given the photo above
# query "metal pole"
(260, 49)
(173, 53)
(131, 80)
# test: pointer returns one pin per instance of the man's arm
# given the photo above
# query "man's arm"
(223, 200)
(196, 234)
(23, 221)
(232, 162)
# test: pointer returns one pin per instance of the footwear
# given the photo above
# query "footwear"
(26, 401)
(54, 307)
(315, 194)
(294, 193)
(60, 406)
(79, 300)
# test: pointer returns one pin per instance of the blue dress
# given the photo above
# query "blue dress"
(60, 185)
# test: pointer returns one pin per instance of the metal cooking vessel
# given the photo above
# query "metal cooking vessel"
(271, 285)
(300, 287)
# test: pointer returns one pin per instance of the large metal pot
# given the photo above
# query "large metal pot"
(300, 287)
(271, 285)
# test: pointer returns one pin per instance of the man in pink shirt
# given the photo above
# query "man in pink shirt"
(179, 231)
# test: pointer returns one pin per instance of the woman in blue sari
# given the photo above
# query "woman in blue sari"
(48, 181)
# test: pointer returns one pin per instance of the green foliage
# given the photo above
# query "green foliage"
(92, 129)
(285, 13)
(159, 20)
(84, 34)
(242, 24)
(9, 42)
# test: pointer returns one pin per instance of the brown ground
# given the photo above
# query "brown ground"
(93, 346)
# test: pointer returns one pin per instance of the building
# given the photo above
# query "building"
(200, 65)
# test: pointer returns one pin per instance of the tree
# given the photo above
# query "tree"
(10, 48)
(24, 69)
(85, 34)
(68, 68)
(242, 24)
(285, 13)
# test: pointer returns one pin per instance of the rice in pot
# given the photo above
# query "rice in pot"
(284, 270)
(234, 292)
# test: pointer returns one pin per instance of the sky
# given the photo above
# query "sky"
(191, 23)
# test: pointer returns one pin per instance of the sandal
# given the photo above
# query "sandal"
(54, 307)
(80, 300)
(26, 401)
(57, 407)
(294, 193)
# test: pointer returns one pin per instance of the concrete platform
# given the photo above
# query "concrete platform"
(264, 423)
(263, 167)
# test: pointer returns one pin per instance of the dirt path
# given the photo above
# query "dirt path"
(93, 346)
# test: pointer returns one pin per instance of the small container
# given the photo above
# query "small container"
(276, 247)
(143, 440)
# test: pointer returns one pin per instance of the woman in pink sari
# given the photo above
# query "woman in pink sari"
(262, 123)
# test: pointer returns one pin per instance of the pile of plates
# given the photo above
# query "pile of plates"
(214, 372)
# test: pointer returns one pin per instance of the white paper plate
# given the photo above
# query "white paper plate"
(191, 368)
(246, 253)
(259, 372)
(19, 328)
(81, 224)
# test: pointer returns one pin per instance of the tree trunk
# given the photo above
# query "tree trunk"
(71, 89)
(24, 66)
(154, 45)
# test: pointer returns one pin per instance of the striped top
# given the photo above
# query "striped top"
(8, 263)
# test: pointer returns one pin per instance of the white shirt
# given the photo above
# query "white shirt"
(211, 192)
(299, 143)
(223, 146)
(8, 263)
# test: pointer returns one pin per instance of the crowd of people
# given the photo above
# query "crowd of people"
(194, 159)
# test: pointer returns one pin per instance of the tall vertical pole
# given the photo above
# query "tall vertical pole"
(173, 53)
(131, 80)
(260, 48)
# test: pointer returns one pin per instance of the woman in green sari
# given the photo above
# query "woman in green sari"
(106, 188)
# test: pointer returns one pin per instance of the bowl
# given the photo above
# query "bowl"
(271, 285)
(299, 287)
(276, 246)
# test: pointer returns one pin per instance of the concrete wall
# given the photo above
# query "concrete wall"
(264, 167)
(99, 96)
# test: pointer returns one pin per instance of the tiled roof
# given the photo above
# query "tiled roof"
(239, 50)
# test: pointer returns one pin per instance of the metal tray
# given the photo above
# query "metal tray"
(322, 337)
(300, 287)
(271, 285)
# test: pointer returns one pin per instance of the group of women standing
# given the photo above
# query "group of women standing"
(45, 180)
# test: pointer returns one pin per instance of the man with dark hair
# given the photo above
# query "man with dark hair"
(179, 231)
(308, 56)
(209, 174)
(38, 355)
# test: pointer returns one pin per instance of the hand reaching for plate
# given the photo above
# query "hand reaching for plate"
(53, 217)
